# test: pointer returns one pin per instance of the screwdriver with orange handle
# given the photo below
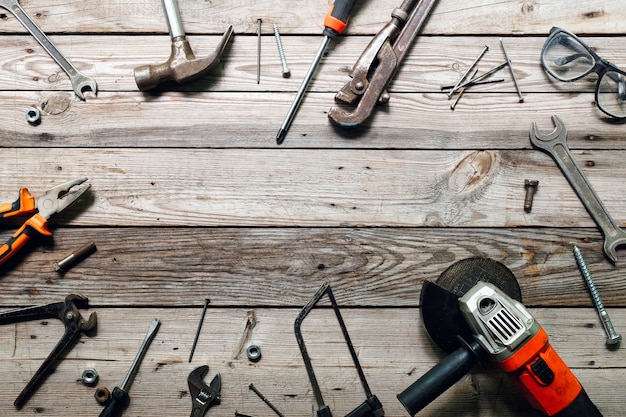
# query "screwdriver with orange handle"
(335, 22)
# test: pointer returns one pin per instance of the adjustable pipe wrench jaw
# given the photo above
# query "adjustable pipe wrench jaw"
(203, 395)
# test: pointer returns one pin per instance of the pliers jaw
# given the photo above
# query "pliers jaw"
(61, 196)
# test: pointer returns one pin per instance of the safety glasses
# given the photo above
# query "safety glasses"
(565, 57)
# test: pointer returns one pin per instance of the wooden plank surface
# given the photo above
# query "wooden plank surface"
(192, 199)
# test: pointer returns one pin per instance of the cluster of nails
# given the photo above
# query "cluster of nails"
(460, 87)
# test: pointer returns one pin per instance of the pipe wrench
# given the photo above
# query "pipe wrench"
(379, 62)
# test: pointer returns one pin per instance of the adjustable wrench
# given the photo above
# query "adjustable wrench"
(555, 145)
(203, 395)
(79, 81)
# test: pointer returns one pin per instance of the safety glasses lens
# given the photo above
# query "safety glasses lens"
(612, 94)
(566, 58)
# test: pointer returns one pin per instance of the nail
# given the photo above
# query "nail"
(195, 340)
(519, 92)
(485, 49)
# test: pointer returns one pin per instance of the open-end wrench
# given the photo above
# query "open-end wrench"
(80, 82)
(555, 145)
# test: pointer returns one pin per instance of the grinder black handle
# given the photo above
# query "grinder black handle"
(441, 377)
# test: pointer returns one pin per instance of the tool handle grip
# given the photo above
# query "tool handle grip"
(25, 203)
(119, 400)
(582, 406)
(337, 17)
(439, 378)
(33, 226)
(546, 381)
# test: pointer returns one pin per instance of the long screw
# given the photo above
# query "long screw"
(612, 337)
(281, 53)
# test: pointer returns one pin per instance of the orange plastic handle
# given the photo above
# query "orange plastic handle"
(25, 203)
(337, 17)
(32, 226)
(548, 396)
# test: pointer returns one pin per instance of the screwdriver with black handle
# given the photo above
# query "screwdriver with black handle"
(335, 22)
(119, 396)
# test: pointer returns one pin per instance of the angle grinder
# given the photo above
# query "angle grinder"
(474, 313)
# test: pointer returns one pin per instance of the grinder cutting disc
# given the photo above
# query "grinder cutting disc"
(439, 301)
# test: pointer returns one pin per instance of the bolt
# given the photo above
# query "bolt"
(281, 53)
(64, 264)
(531, 187)
(612, 337)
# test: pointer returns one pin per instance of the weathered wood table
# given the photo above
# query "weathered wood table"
(192, 199)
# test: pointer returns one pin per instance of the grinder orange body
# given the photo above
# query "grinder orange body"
(501, 329)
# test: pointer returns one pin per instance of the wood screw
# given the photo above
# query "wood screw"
(531, 187)
(281, 53)
(612, 337)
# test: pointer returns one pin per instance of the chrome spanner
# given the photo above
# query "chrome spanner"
(555, 144)
(79, 81)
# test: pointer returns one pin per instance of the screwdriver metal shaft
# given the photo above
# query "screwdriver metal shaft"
(335, 22)
(119, 396)
(282, 132)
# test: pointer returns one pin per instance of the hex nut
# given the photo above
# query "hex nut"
(33, 115)
(254, 353)
(90, 377)
(102, 395)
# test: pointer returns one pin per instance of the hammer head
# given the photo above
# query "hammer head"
(182, 65)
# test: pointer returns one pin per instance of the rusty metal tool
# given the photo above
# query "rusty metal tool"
(75, 324)
(80, 82)
(555, 145)
(371, 407)
(203, 395)
(379, 62)
(119, 396)
(335, 22)
(182, 66)
(53, 201)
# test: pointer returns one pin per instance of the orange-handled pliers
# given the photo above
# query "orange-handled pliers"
(53, 201)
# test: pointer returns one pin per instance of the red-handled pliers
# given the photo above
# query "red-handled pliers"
(53, 201)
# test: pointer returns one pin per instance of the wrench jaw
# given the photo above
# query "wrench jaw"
(82, 83)
(611, 244)
(203, 395)
(543, 140)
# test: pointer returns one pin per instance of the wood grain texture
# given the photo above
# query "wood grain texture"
(393, 357)
(192, 199)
